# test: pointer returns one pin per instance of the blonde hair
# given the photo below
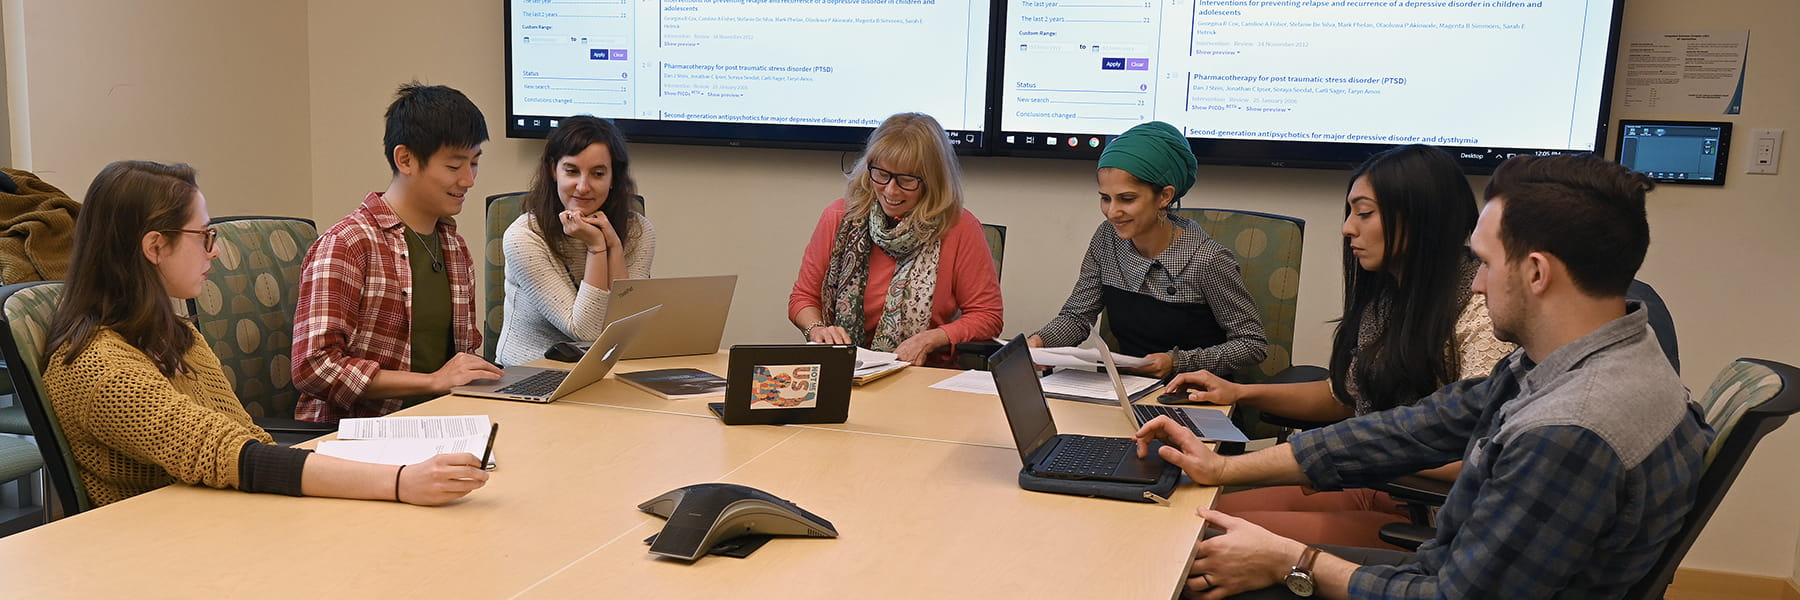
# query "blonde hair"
(913, 144)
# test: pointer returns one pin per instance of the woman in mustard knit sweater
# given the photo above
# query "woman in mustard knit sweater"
(143, 401)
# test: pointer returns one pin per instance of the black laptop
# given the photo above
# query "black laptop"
(1065, 456)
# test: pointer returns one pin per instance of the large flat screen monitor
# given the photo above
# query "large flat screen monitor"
(775, 73)
(1309, 82)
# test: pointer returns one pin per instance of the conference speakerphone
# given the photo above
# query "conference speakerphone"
(1682, 152)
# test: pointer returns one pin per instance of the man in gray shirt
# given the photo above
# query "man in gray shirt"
(1581, 449)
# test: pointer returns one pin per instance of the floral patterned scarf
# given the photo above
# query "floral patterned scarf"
(908, 309)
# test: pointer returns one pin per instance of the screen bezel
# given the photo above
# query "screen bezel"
(1475, 160)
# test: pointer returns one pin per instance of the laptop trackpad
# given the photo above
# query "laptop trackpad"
(1149, 468)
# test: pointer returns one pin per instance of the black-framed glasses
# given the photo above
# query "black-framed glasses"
(881, 176)
(211, 234)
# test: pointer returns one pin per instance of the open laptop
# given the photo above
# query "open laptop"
(1064, 456)
(1205, 423)
(692, 319)
(534, 384)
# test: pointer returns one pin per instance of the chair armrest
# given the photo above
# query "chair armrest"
(1406, 535)
(974, 355)
(280, 425)
(1300, 374)
(1416, 490)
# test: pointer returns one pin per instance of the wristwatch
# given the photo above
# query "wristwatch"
(807, 332)
(1300, 580)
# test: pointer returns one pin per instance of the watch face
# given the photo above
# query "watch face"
(1301, 584)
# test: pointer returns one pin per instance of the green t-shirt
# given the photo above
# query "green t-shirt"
(430, 302)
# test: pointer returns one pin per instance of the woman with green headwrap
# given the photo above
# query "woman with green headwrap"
(1171, 293)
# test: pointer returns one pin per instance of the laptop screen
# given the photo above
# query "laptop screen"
(1022, 396)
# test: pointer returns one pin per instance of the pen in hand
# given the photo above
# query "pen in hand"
(487, 454)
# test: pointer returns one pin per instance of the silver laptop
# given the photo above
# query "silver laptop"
(534, 384)
(1205, 423)
(692, 319)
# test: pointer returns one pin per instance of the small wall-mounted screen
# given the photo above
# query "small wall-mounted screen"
(1676, 151)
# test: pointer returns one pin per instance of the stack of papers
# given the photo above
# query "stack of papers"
(1070, 356)
(1086, 386)
(872, 365)
(407, 440)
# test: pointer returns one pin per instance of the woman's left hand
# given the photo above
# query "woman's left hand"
(1161, 365)
(915, 348)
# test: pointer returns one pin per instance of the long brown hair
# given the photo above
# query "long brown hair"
(111, 284)
(572, 137)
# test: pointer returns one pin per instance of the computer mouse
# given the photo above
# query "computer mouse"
(702, 515)
(565, 352)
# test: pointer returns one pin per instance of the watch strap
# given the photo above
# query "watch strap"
(1307, 557)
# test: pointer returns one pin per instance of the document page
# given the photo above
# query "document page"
(407, 440)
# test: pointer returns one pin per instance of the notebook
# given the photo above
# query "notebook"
(1062, 456)
(692, 319)
(1205, 423)
(534, 384)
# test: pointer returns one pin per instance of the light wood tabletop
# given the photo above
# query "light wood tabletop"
(921, 484)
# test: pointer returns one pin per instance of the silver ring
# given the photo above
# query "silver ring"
(1209, 583)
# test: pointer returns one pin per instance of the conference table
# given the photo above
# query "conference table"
(920, 483)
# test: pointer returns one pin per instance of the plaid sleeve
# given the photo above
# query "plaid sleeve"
(1076, 319)
(1383, 445)
(1561, 490)
(330, 304)
(1245, 343)
(465, 332)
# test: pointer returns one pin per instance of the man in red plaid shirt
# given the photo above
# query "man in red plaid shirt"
(386, 311)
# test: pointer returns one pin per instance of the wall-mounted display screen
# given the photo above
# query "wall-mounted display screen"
(795, 73)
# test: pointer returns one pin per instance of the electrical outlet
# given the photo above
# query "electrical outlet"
(1765, 151)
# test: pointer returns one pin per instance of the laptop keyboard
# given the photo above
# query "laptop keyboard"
(1146, 412)
(543, 383)
(1082, 455)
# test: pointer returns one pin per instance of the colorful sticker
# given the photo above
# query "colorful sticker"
(784, 386)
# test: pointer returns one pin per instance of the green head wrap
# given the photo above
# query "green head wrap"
(1155, 153)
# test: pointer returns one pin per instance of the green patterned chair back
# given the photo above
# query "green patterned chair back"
(25, 311)
(1749, 399)
(1742, 385)
(1267, 248)
(996, 240)
(502, 210)
(246, 309)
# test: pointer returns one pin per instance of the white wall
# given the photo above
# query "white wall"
(207, 82)
(219, 84)
(1720, 257)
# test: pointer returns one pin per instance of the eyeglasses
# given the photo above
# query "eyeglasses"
(882, 176)
(211, 234)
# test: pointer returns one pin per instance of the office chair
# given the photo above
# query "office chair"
(25, 313)
(973, 355)
(502, 210)
(246, 314)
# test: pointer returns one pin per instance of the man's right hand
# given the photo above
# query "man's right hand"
(462, 369)
(1182, 449)
(1203, 386)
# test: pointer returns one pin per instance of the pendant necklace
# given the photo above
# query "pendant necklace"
(437, 263)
